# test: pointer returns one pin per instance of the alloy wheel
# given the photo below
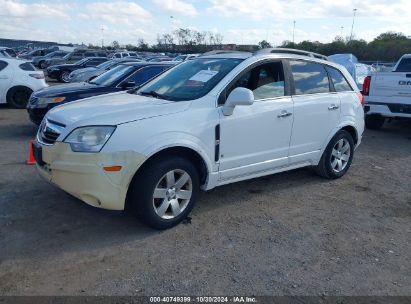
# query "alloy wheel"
(172, 194)
(340, 155)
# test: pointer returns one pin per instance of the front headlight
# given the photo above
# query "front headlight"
(47, 100)
(89, 139)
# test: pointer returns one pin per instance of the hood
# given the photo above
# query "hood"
(113, 109)
(65, 89)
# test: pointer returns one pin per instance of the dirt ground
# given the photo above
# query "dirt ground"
(287, 234)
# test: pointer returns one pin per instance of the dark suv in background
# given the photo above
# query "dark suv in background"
(40, 61)
(74, 57)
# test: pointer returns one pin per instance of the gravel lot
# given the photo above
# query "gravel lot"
(287, 234)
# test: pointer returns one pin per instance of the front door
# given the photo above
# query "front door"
(256, 138)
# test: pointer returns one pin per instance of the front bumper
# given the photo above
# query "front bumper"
(82, 174)
(388, 110)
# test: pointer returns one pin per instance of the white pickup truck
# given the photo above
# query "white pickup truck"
(388, 95)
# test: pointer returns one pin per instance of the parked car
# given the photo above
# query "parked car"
(40, 61)
(7, 52)
(74, 57)
(62, 72)
(87, 74)
(206, 122)
(159, 59)
(388, 94)
(18, 79)
(120, 78)
(185, 57)
(34, 53)
(124, 54)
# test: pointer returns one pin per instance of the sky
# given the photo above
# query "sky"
(240, 22)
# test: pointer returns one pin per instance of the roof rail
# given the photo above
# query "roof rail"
(217, 52)
(291, 51)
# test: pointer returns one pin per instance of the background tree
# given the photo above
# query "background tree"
(264, 44)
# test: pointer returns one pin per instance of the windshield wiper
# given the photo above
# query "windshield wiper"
(153, 94)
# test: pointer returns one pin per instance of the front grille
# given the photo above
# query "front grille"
(49, 131)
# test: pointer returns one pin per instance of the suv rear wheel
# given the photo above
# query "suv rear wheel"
(337, 157)
(374, 122)
(164, 192)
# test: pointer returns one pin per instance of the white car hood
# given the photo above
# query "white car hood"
(113, 109)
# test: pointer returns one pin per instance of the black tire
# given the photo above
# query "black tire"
(18, 97)
(325, 166)
(141, 199)
(42, 64)
(374, 122)
(64, 77)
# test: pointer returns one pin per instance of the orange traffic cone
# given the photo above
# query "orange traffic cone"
(30, 159)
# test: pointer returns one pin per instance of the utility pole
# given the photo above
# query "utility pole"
(293, 31)
(102, 37)
(353, 20)
(342, 30)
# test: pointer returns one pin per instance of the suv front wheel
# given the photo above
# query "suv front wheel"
(164, 192)
(337, 157)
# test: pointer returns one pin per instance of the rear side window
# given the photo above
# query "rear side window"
(338, 79)
(3, 65)
(309, 78)
(27, 66)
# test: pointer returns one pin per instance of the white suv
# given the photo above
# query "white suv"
(207, 122)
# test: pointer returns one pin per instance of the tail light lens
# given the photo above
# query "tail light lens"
(361, 97)
(37, 76)
(366, 86)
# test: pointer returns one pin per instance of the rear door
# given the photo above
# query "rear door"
(6, 76)
(316, 110)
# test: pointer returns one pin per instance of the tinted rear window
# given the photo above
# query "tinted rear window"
(309, 78)
(27, 66)
(404, 65)
(338, 79)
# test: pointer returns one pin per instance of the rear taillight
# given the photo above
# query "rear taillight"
(361, 97)
(37, 76)
(366, 86)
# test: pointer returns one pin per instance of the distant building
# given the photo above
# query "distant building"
(15, 43)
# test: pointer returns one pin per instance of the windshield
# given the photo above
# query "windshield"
(112, 76)
(105, 65)
(67, 56)
(81, 61)
(190, 80)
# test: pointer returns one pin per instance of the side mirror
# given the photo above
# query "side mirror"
(128, 84)
(238, 97)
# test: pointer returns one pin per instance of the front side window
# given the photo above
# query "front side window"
(309, 78)
(190, 80)
(266, 81)
(338, 79)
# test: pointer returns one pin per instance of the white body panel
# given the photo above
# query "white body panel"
(12, 76)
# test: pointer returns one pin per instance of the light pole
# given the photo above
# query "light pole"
(352, 26)
(102, 36)
(293, 31)
(342, 30)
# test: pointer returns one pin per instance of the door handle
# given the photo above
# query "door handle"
(333, 107)
(284, 114)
